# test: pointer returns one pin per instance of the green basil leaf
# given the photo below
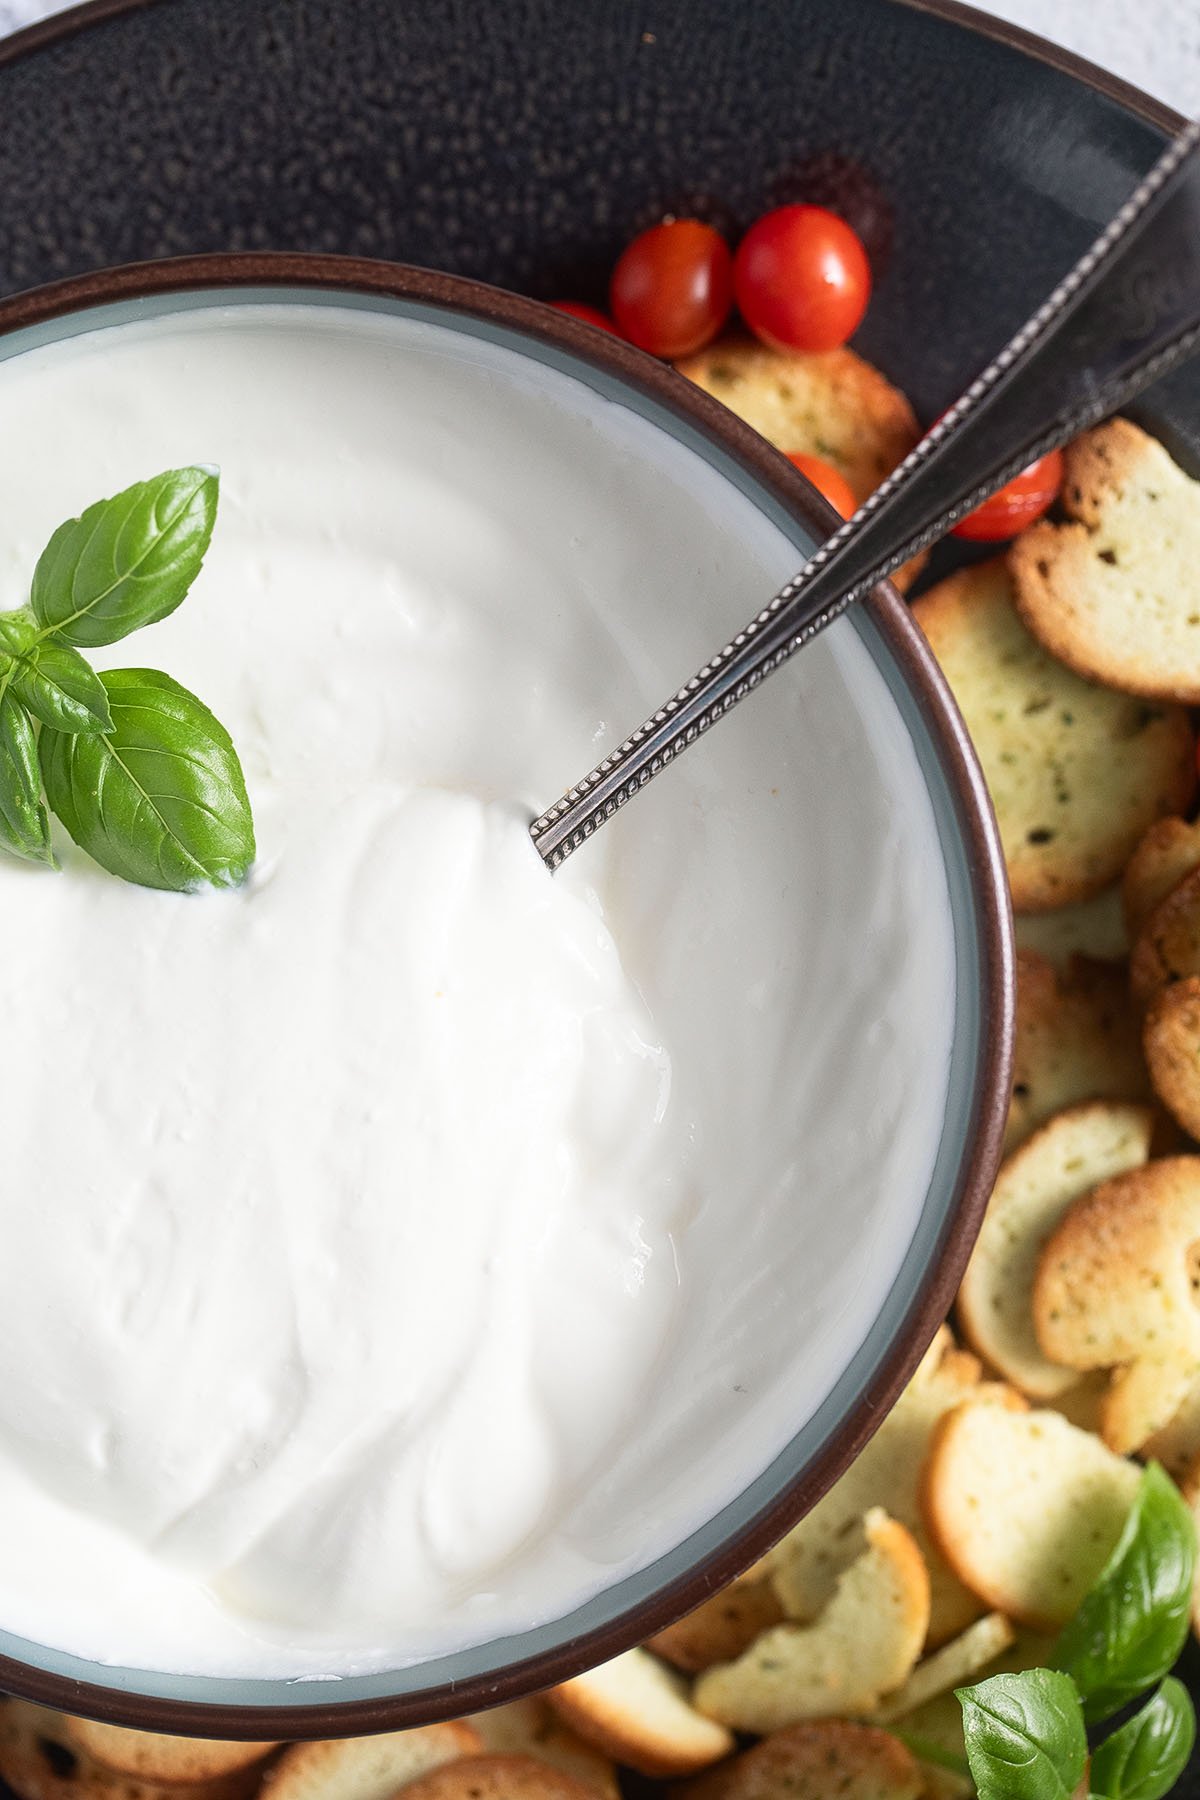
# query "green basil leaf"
(24, 825)
(160, 799)
(61, 689)
(1146, 1757)
(18, 631)
(127, 561)
(1131, 1626)
(1025, 1736)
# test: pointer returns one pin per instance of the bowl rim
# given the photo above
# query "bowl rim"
(990, 1080)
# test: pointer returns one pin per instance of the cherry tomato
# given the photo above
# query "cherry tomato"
(802, 279)
(591, 315)
(1025, 498)
(827, 480)
(672, 288)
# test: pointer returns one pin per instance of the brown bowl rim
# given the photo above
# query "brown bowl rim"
(990, 1089)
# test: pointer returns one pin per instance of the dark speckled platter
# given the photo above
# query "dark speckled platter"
(523, 141)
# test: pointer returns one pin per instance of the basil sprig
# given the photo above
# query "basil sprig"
(1026, 1734)
(1130, 1628)
(137, 769)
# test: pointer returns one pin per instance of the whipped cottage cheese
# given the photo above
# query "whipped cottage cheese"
(403, 1248)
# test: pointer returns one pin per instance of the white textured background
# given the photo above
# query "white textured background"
(1153, 43)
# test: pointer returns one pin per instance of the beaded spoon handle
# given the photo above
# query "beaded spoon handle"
(1127, 313)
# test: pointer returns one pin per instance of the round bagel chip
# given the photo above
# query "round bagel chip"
(863, 1646)
(38, 1761)
(1169, 851)
(639, 1711)
(1026, 1509)
(1115, 1289)
(1167, 949)
(804, 1567)
(372, 1768)
(816, 1761)
(1078, 1037)
(1115, 591)
(720, 1628)
(1171, 1041)
(1063, 1160)
(497, 1776)
(531, 1727)
(154, 1757)
(1077, 773)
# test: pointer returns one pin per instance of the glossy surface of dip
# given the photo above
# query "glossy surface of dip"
(407, 1246)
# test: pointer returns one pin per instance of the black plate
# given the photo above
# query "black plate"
(523, 141)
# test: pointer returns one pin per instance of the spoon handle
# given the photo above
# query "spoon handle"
(1128, 311)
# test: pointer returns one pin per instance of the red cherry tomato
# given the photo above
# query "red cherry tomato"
(672, 288)
(828, 481)
(802, 279)
(1025, 498)
(591, 315)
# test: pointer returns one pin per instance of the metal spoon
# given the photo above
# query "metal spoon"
(1128, 311)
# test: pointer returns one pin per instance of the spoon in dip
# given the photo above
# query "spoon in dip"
(1128, 312)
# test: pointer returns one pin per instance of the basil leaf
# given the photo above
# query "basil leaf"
(18, 631)
(127, 561)
(61, 689)
(1131, 1626)
(1146, 1757)
(1025, 1736)
(160, 799)
(24, 824)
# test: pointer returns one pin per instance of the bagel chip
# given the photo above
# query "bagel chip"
(1077, 773)
(816, 1761)
(497, 1775)
(1025, 1508)
(531, 1727)
(1115, 592)
(1069, 1155)
(638, 1711)
(1115, 1288)
(804, 1567)
(371, 1768)
(864, 1645)
(1171, 1041)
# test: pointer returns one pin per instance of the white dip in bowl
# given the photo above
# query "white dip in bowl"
(409, 1247)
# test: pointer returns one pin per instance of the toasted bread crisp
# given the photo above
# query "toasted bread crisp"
(1092, 928)
(497, 1777)
(372, 1768)
(1115, 593)
(952, 1666)
(1115, 1286)
(1171, 1040)
(38, 1761)
(154, 1757)
(531, 1727)
(720, 1628)
(828, 1759)
(1077, 773)
(830, 404)
(1025, 1508)
(1077, 1038)
(864, 1644)
(1169, 851)
(1070, 1154)
(1177, 1445)
(637, 1710)
(1167, 948)
(804, 1567)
